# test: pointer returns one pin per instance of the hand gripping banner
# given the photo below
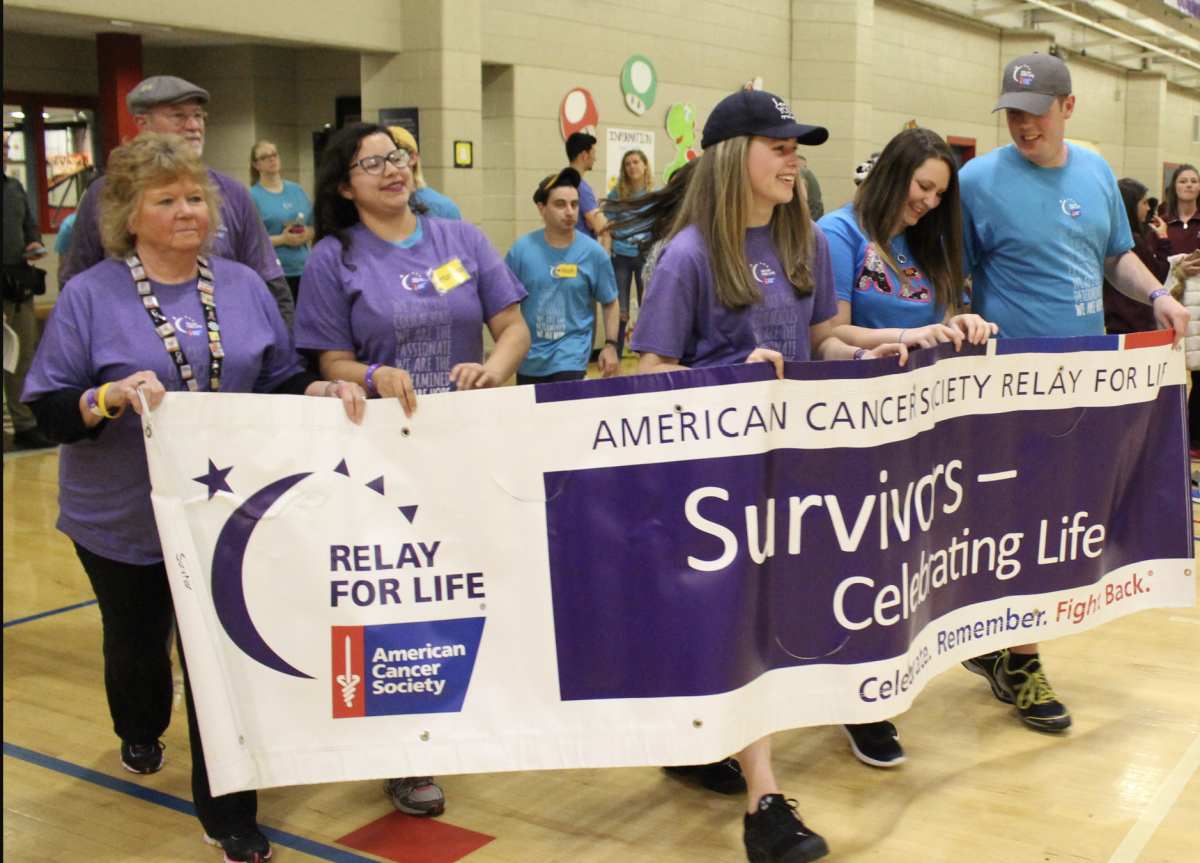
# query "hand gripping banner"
(654, 570)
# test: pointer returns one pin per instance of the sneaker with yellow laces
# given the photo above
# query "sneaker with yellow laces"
(1022, 677)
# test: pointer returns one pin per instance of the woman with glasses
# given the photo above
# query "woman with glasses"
(285, 210)
(397, 302)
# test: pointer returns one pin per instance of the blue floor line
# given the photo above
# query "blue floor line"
(48, 613)
(177, 804)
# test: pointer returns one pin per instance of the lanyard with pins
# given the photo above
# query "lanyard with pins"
(166, 331)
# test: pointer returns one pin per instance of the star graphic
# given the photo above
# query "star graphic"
(215, 479)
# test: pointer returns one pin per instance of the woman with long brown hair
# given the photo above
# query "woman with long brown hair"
(745, 277)
(636, 180)
(897, 265)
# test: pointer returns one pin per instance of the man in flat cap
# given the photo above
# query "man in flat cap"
(1043, 226)
(164, 103)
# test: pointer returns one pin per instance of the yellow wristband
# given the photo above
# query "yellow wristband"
(104, 406)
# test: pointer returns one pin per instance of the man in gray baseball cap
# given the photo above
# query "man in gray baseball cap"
(1044, 225)
(164, 103)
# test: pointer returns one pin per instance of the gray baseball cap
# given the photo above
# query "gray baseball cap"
(162, 90)
(1032, 83)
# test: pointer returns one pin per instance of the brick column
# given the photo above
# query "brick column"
(438, 71)
(119, 67)
(831, 85)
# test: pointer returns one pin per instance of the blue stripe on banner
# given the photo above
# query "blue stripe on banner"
(744, 373)
(49, 613)
(177, 804)
(1058, 346)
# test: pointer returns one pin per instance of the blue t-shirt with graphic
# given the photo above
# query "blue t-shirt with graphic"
(436, 204)
(281, 211)
(625, 243)
(1035, 240)
(562, 284)
(587, 203)
(877, 296)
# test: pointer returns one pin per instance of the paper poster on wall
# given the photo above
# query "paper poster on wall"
(681, 126)
(620, 142)
(639, 81)
(578, 113)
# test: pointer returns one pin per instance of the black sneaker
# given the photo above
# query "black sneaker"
(875, 743)
(723, 777)
(1035, 700)
(775, 834)
(247, 848)
(144, 759)
(988, 667)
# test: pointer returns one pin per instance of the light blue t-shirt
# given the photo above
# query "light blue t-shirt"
(436, 204)
(279, 211)
(877, 297)
(62, 243)
(562, 283)
(1035, 240)
(625, 243)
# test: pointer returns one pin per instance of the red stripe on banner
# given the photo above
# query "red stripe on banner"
(406, 839)
(348, 676)
(1148, 340)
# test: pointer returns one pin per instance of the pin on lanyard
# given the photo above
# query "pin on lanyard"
(166, 330)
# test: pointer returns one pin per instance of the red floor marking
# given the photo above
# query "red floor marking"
(406, 839)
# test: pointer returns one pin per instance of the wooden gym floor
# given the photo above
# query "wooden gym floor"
(1120, 787)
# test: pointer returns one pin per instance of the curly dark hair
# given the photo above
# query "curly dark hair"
(333, 214)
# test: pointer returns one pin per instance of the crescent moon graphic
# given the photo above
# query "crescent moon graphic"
(228, 594)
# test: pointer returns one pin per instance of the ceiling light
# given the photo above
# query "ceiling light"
(20, 115)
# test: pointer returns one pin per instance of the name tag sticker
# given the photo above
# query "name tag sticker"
(566, 271)
(449, 276)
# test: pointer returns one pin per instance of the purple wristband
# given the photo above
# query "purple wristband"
(371, 379)
(1154, 295)
(93, 405)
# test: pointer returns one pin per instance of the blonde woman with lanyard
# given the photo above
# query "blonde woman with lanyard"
(397, 302)
(897, 264)
(142, 319)
(705, 308)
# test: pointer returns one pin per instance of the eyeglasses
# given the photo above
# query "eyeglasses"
(180, 118)
(399, 158)
(266, 156)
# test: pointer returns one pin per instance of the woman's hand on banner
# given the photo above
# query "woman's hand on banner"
(353, 397)
(766, 355)
(397, 383)
(975, 328)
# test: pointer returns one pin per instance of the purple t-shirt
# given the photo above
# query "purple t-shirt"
(587, 203)
(682, 317)
(242, 236)
(100, 332)
(388, 310)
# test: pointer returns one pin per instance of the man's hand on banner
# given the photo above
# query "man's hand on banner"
(353, 397)
(766, 355)
(975, 328)
(1170, 314)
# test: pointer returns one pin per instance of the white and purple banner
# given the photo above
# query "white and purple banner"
(654, 570)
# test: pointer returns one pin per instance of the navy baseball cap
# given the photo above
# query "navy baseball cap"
(1032, 83)
(565, 177)
(755, 112)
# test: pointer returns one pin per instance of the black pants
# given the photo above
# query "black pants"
(557, 377)
(138, 619)
(294, 284)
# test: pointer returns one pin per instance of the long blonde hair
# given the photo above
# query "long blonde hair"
(718, 202)
(625, 187)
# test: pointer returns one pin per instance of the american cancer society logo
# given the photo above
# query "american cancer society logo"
(400, 668)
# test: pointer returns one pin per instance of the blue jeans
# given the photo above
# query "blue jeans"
(627, 269)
